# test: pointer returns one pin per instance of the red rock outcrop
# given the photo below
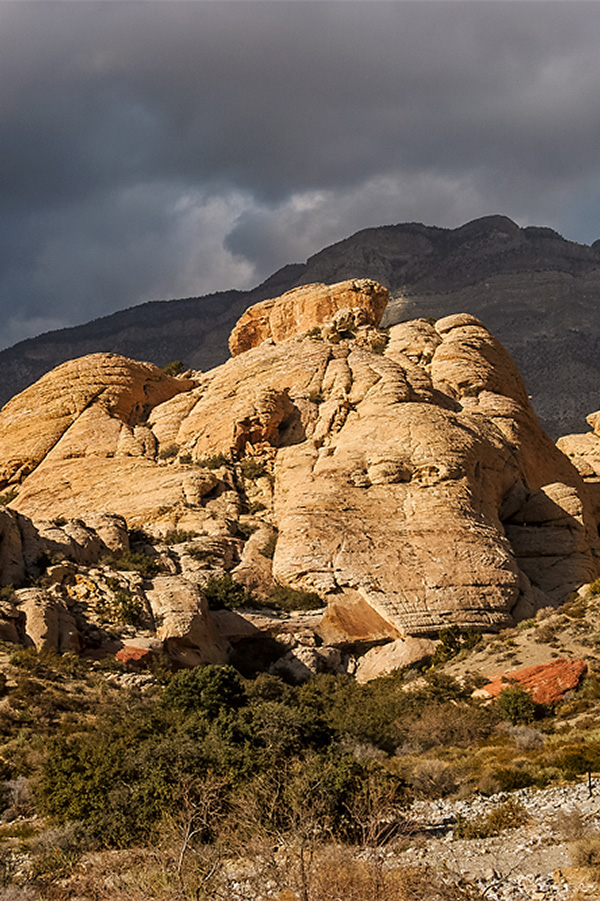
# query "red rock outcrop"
(546, 682)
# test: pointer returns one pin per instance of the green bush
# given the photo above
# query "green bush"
(510, 815)
(453, 641)
(136, 561)
(200, 553)
(178, 536)
(129, 609)
(515, 705)
(175, 367)
(284, 598)
(207, 688)
(214, 462)
(253, 469)
(224, 592)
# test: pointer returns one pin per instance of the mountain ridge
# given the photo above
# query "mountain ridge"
(534, 289)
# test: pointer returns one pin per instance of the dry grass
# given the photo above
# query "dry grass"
(324, 873)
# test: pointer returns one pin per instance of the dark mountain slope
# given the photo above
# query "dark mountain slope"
(539, 293)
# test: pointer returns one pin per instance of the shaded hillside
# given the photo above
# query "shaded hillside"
(536, 291)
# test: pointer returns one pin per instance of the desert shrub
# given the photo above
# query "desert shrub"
(594, 588)
(186, 459)
(524, 737)
(515, 705)
(253, 469)
(214, 462)
(590, 687)
(453, 640)
(209, 688)
(586, 853)
(224, 592)
(574, 761)
(570, 824)
(463, 726)
(200, 553)
(7, 496)
(48, 664)
(510, 815)
(137, 561)
(255, 507)
(128, 607)
(7, 593)
(178, 536)
(283, 597)
(506, 779)
(432, 778)
(575, 608)
(175, 367)
(546, 632)
(442, 687)
(168, 452)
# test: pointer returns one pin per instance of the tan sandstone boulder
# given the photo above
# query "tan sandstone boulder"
(49, 625)
(399, 654)
(79, 409)
(184, 623)
(305, 308)
(411, 485)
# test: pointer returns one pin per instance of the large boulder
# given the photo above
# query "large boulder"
(306, 308)
(410, 485)
(545, 682)
(49, 625)
(184, 623)
(79, 409)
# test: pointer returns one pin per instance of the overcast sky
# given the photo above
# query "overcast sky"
(167, 149)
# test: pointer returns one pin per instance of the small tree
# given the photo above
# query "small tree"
(515, 705)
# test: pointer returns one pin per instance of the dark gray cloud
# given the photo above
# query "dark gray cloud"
(162, 149)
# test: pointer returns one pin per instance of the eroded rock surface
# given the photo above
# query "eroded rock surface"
(302, 309)
(402, 476)
(546, 683)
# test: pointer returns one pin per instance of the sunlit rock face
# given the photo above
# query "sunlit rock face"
(402, 476)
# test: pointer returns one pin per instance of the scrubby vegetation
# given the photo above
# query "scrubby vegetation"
(203, 767)
(137, 561)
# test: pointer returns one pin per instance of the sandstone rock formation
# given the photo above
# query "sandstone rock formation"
(537, 292)
(361, 302)
(583, 450)
(546, 683)
(94, 404)
(403, 477)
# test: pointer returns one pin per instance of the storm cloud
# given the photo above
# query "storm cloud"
(168, 149)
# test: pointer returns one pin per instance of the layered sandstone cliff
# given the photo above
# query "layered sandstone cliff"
(401, 475)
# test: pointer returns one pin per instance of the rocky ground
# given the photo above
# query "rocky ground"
(529, 863)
